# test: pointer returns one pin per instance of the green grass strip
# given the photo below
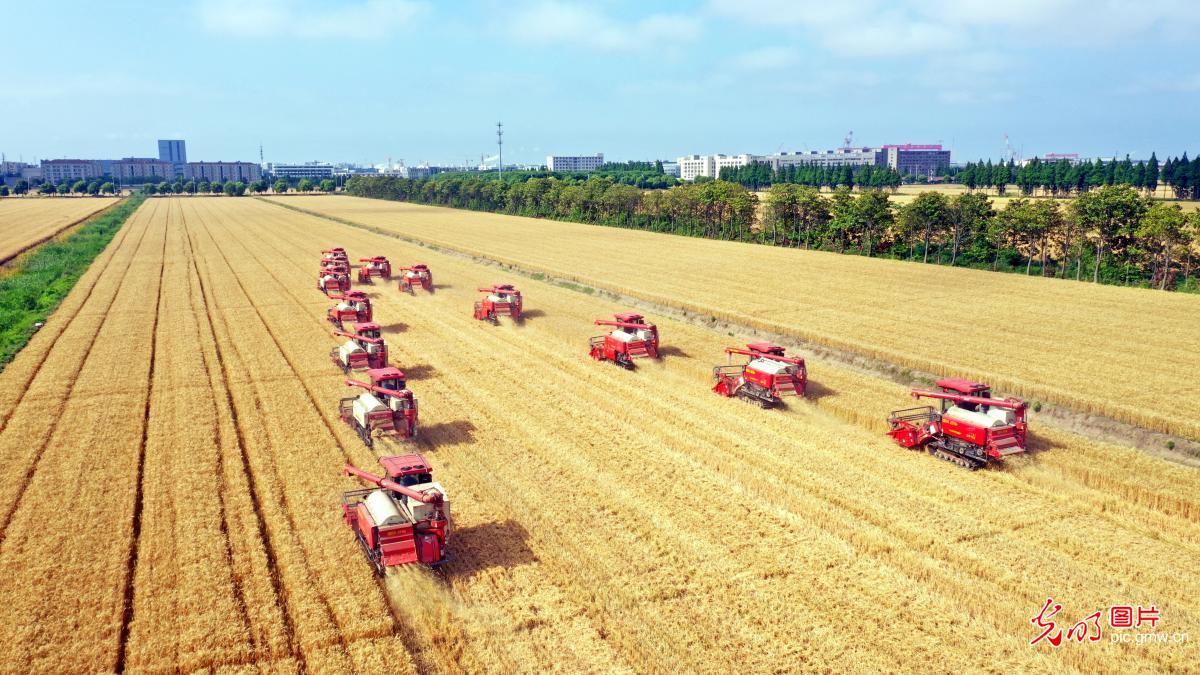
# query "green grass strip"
(36, 282)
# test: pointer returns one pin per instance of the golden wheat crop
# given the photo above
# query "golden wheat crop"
(604, 520)
(24, 222)
(1121, 352)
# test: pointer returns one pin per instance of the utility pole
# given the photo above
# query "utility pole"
(500, 147)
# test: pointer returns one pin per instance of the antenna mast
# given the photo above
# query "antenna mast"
(500, 148)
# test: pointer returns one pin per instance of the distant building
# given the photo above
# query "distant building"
(175, 152)
(307, 170)
(917, 160)
(572, 163)
(922, 160)
(671, 168)
(58, 170)
(246, 172)
(13, 168)
(138, 167)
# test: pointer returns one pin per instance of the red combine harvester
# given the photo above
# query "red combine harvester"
(416, 274)
(365, 348)
(501, 300)
(385, 407)
(336, 254)
(355, 306)
(334, 278)
(632, 339)
(374, 267)
(405, 519)
(768, 376)
(972, 430)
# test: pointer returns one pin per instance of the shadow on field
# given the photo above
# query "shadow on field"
(481, 547)
(397, 327)
(445, 433)
(419, 372)
(673, 351)
(816, 391)
(440, 287)
(532, 314)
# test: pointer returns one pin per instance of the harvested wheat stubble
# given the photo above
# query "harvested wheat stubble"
(604, 520)
(24, 222)
(65, 556)
(1085, 346)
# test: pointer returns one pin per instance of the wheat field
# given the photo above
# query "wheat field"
(605, 521)
(1121, 352)
(27, 221)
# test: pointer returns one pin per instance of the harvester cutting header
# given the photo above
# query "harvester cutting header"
(765, 379)
(972, 429)
(632, 339)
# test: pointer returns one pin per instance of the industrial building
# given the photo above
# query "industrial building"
(307, 170)
(246, 172)
(574, 162)
(918, 160)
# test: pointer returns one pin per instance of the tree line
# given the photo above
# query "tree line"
(757, 175)
(1063, 178)
(1112, 234)
(717, 209)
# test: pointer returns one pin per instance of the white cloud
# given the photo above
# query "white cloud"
(553, 23)
(362, 20)
(922, 27)
(768, 58)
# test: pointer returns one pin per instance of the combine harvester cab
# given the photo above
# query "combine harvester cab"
(364, 350)
(501, 300)
(972, 429)
(354, 307)
(765, 379)
(385, 408)
(416, 274)
(374, 267)
(404, 519)
(632, 339)
(333, 279)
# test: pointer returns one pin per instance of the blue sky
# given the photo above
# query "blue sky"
(364, 80)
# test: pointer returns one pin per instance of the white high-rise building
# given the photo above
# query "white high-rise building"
(175, 152)
(574, 162)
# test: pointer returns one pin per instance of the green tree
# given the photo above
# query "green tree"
(79, 187)
(1162, 227)
(21, 187)
(1151, 180)
(873, 214)
(1107, 212)
(3, 190)
(93, 187)
(63, 188)
(927, 215)
(203, 186)
(327, 185)
(281, 186)
(969, 216)
(305, 185)
(108, 188)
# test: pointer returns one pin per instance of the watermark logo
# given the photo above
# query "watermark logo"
(1125, 620)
